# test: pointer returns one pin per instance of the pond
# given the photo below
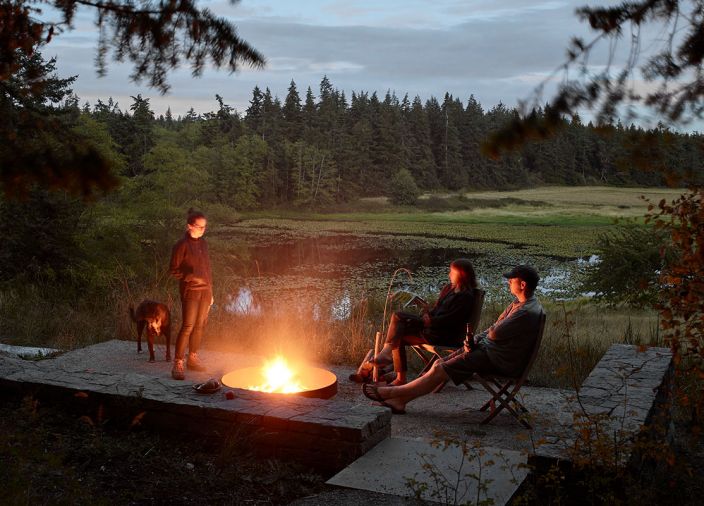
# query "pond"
(327, 276)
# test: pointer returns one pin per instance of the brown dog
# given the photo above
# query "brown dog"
(157, 318)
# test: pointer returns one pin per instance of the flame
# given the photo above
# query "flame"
(278, 378)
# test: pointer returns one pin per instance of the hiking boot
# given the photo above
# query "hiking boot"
(177, 372)
(194, 363)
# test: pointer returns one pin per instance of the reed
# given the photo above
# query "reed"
(34, 315)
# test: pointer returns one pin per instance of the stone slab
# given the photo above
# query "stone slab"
(627, 390)
(27, 351)
(335, 431)
(452, 474)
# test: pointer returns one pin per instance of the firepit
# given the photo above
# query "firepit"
(277, 376)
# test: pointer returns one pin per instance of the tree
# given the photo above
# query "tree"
(154, 39)
(140, 136)
(38, 143)
(403, 189)
(451, 171)
(292, 114)
(422, 164)
(629, 265)
(253, 115)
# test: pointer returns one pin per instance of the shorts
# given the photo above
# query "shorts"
(461, 365)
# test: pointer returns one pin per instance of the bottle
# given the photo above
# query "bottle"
(469, 336)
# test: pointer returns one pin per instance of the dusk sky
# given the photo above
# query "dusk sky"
(496, 50)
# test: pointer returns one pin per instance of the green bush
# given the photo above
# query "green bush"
(631, 258)
(404, 190)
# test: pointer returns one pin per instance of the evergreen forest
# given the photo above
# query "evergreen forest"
(318, 149)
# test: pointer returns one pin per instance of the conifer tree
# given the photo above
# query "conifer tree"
(292, 116)
(421, 161)
(140, 137)
(253, 114)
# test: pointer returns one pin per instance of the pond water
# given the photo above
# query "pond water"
(326, 277)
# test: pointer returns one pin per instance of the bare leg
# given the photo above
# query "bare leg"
(400, 359)
(399, 396)
(397, 328)
(386, 353)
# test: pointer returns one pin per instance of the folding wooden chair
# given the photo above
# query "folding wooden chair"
(499, 386)
(429, 353)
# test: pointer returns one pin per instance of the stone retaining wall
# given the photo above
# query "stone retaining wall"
(327, 434)
(628, 394)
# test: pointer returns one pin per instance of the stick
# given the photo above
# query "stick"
(375, 371)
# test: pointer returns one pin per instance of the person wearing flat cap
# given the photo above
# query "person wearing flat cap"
(504, 348)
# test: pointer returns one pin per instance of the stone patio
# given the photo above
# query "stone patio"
(629, 384)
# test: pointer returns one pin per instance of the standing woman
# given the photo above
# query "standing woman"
(444, 324)
(190, 264)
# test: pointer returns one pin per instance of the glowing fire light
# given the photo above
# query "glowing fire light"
(278, 378)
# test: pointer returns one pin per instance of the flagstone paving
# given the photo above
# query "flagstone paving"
(630, 385)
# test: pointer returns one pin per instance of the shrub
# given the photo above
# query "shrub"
(404, 190)
(629, 266)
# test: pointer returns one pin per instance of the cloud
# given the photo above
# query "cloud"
(494, 50)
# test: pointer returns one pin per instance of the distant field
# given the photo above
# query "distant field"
(600, 200)
(553, 221)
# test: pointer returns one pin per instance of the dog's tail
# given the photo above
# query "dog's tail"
(132, 314)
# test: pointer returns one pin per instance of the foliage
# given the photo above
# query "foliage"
(403, 189)
(74, 451)
(155, 40)
(630, 261)
(672, 76)
(467, 481)
(42, 244)
(39, 143)
(681, 307)
(35, 144)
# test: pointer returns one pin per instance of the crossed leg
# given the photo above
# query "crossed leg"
(399, 396)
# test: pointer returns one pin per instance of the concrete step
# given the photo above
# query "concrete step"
(440, 470)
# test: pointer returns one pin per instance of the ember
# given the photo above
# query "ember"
(278, 376)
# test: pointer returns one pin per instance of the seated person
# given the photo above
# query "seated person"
(444, 324)
(504, 348)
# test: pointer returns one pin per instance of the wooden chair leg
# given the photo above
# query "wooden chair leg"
(427, 362)
(495, 393)
(504, 399)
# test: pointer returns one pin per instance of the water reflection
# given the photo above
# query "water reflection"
(325, 278)
(243, 303)
(341, 309)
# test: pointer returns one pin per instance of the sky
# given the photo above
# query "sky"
(496, 50)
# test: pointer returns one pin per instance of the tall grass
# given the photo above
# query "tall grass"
(34, 316)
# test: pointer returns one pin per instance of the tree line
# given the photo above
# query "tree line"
(321, 149)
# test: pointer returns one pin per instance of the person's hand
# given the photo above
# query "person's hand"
(212, 300)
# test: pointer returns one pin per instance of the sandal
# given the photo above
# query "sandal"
(209, 387)
(372, 392)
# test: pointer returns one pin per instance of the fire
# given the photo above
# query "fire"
(278, 378)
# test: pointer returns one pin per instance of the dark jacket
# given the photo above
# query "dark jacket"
(190, 264)
(449, 316)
